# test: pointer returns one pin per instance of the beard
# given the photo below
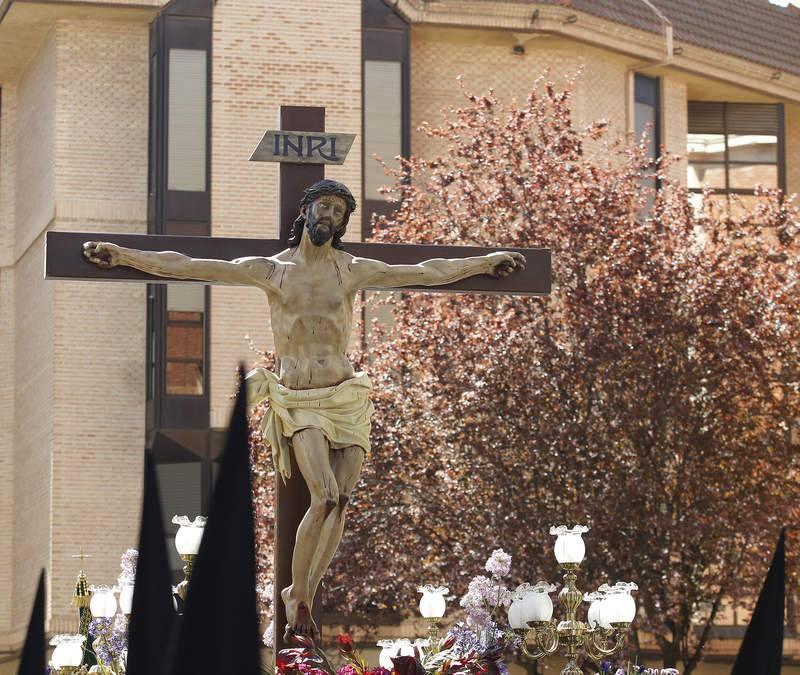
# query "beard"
(317, 234)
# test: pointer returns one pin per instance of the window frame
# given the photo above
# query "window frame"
(378, 18)
(183, 24)
(656, 133)
(780, 160)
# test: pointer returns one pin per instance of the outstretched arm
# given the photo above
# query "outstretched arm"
(253, 271)
(435, 272)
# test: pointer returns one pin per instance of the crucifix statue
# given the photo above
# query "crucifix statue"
(319, 408)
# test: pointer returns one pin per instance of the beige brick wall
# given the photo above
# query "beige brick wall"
(8, 167)
(33, 430)
(98, 328)
(7, 171)
(35, 146)
(792, 117)
(267, 54)
(72, 353)
(674, 123)
(485, 60)
(7, 331)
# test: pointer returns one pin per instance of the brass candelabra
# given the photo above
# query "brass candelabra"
(610, 614)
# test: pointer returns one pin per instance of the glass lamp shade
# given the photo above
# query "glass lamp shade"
(68, 651)
(432, 604)
(621, 607)
(126, 598)
(516, 615)
(103, 603)
(536, 603)
(593, 615)
(403, 647)
(387, 652)
(189, 535)
(569, 546)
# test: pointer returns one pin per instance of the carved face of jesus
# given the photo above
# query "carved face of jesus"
(324, 218)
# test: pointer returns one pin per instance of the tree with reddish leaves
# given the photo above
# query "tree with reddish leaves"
(651, 396)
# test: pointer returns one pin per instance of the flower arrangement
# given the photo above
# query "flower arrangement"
(127, 563)
(109, 640)
(475, 645)
(607, 668)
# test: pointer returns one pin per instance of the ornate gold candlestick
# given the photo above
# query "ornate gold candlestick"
(530, 613)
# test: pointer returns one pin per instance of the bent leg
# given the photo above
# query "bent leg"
(347, 469)
(312, 453)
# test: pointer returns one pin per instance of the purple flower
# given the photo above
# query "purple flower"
(128, 562)
(347, 669)
(499, 563)
(380, 671)
(479, 617)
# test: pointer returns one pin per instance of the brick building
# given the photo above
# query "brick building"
(139, 115)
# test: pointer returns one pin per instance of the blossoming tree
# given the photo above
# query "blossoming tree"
(651, 396)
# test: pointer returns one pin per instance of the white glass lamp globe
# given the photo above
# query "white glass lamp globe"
(516, 615)
(569, 546)
(189, 535)
(103, 603)
(593, 615)
(403, 647)
(68, 651)
(126, 598)
(536, 603)
(432, 604)
(388, 651)
(621, 605)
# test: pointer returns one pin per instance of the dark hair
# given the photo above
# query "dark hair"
(319, 189)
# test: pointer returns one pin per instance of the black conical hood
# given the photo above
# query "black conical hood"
(152, 612)
(762, 648)
(219, 629)
(33, 653)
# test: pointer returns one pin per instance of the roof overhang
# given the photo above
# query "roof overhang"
(645, 47)
(25, 23)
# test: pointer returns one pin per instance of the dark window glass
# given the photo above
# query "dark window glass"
(647, 114)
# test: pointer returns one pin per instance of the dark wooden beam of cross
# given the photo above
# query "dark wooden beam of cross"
(302, 156)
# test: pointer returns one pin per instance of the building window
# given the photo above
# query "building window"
(647, 114)
(186, 120)
(185, 333)
(179, 204)
(178, 435)
(733, 147)
(385, 101)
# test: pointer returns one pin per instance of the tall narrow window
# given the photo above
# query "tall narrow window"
(735, 146)
(385, 101)
(178, 434)
(647, 112)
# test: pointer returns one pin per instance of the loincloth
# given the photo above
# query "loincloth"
(342, 413)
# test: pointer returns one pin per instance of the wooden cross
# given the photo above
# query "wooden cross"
(302, 156)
